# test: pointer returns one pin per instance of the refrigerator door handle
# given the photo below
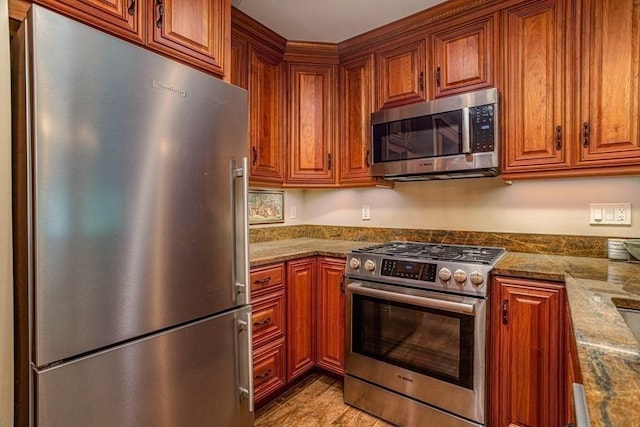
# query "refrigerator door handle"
(241, 268)
(247, 392)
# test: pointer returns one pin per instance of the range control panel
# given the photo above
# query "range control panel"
(409, 270)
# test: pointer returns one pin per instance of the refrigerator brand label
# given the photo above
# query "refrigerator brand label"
(168, 88)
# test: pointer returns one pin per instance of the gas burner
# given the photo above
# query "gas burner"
(436, 251)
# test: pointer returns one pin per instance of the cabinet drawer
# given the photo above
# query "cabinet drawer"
(268, 369)
(263, 278)
(268, 318)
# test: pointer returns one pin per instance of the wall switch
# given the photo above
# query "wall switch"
(292, 212)
(610, 213)
(366, 212)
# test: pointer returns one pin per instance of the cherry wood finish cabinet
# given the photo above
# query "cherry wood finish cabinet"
(330, 315)
(196, 32)
(609, 133)
(301, 282)
(526, 352)
(357, 102)
(268, 318)
(401, 74)
(535, 98)
(312, 124)
(124, 18)
(464, 56)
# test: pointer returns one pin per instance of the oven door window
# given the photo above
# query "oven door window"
(422, 137)
(432, 342)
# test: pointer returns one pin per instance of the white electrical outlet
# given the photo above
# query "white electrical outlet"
(366, 212)
(610, 213)
(292, 212)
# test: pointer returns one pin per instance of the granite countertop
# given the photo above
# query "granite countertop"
(608, 353)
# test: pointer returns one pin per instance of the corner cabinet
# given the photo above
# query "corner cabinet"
(526, 348)
(331, 315)
(195, 32)
(312, 124)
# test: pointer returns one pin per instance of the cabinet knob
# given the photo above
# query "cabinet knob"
(132, 7)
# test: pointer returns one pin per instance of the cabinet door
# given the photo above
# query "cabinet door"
(300, 283)
(269, 374)
(526, 352)
(265, 117)
(357, 102)
(609, 125)
(534, 87)
(194, 31)
(464, 57)
(401, 74)
(330, 321)
(239, 64)
(124, 18)
(312, 93)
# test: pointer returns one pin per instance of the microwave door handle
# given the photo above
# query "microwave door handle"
(466, 131)
(456, 307)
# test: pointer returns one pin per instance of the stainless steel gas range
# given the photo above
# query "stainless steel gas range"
(416, 332)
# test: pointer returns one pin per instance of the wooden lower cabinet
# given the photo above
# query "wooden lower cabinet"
(527, 343)
(330, 321)
(300, 284)
(269, 373)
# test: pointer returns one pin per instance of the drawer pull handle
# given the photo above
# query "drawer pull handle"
(261, 281)
(263, 375)
(264, 322)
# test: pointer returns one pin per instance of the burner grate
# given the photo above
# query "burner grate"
(436, 252)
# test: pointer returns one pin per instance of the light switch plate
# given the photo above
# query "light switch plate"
(610, 213)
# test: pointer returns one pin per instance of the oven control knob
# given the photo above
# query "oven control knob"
(354, 263)
(369, 265)
(460, 276)
(444, 274)
(476, 278)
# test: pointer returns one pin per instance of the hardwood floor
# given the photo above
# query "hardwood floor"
(315, 402)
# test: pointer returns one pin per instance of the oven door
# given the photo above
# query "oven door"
(425, 345)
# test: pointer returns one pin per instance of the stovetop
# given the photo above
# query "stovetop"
(436, 252)
(455, 269)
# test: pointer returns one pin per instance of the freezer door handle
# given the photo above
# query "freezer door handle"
(247, 391)
(241, 240)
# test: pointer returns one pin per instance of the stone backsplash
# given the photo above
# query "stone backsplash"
(582, 246)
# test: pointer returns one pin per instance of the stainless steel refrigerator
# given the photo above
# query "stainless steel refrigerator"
(131, 235)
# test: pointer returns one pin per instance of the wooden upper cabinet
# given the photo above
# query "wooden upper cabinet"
(330, 315)
(464, 56)
(526, 351)
(239, 64)
(535, 130)
(312, 124)
(609, 129)
(265, 117)
(357, 104)
(400, 75)
(124, 18)
(195, 31)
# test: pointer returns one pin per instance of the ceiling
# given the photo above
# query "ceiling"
(328, 20)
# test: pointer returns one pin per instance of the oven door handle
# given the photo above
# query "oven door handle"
(440, 304)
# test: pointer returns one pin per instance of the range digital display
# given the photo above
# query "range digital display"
(409, 270)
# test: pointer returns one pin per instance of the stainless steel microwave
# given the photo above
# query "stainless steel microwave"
(453, 137)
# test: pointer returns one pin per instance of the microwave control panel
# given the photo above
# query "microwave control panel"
(482, 128)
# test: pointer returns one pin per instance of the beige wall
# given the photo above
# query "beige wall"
(558, 206)
(6, 282)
